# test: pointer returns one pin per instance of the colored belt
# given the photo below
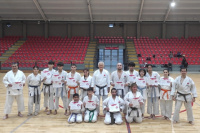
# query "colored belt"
(165, 92)
(70, 87)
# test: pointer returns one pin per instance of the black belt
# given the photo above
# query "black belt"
(101, 87)
(46, 86)
(34, 97)
(122, 92)
(112, 118)
(184, 95)
(133, 109)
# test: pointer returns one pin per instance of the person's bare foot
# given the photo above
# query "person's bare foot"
(55, 112)
(46, 110)
(167, 118)
(5, 117)
(49, 112)
(151, 116)
(191, 122)
(65, 112)
(29, 114)
(20, 115)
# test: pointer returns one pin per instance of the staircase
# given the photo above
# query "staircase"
(131, 53)
(89, 57)
(11, 50)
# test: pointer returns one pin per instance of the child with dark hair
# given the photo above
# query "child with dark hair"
(76, 108)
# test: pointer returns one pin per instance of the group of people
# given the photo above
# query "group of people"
(81, 96)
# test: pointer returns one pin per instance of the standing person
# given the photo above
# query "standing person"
(14, 80)
(186, 93)
(132, 74)
(90, 102)
(153, 92)
(101, 83)
(166, 103)
(34, 82)
(112, 106)
(119, 80)
(73, 80)
(47, 87)
(134, 101)
(60, 89)
(142, 84)
(85, 83)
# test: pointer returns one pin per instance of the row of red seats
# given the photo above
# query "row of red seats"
(6, 42)
(161, 48)
(108, 37)
(32, 49)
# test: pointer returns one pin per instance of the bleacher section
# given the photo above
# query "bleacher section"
(54, 48)
(161, 48)
(110, 40)
(6, 42)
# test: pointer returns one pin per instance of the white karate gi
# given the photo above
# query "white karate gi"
(34, 83)
(119, 83)
(109, 101)
(91, 111)
(48, 90)
(12, 94)
(71, 82)
(153, 93)
(101, 80)
(61, 91)
(76, 114)
(84, 85)
(134, 113)
(142, 88)
(188, 88)
(131, 79)
(166, 101)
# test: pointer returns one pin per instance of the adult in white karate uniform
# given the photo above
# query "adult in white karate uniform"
(132, 75)
(185, 90)
(34, 82)
(73, 80)
(11, 78)
(166, 101)
(85, 83)
(153, 92)
(142, 84)
(76, 108)
(60, 90)
(47, 87)
(112, 106)
(134, 100)
(119, 80)
(90, 102)
(101, 83)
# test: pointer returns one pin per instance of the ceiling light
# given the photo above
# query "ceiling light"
(173, 4)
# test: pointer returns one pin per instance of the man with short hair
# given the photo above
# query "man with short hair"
(101, 83)
(185, 90)
(14, 80)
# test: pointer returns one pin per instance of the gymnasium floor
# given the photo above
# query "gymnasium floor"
(58, 123)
